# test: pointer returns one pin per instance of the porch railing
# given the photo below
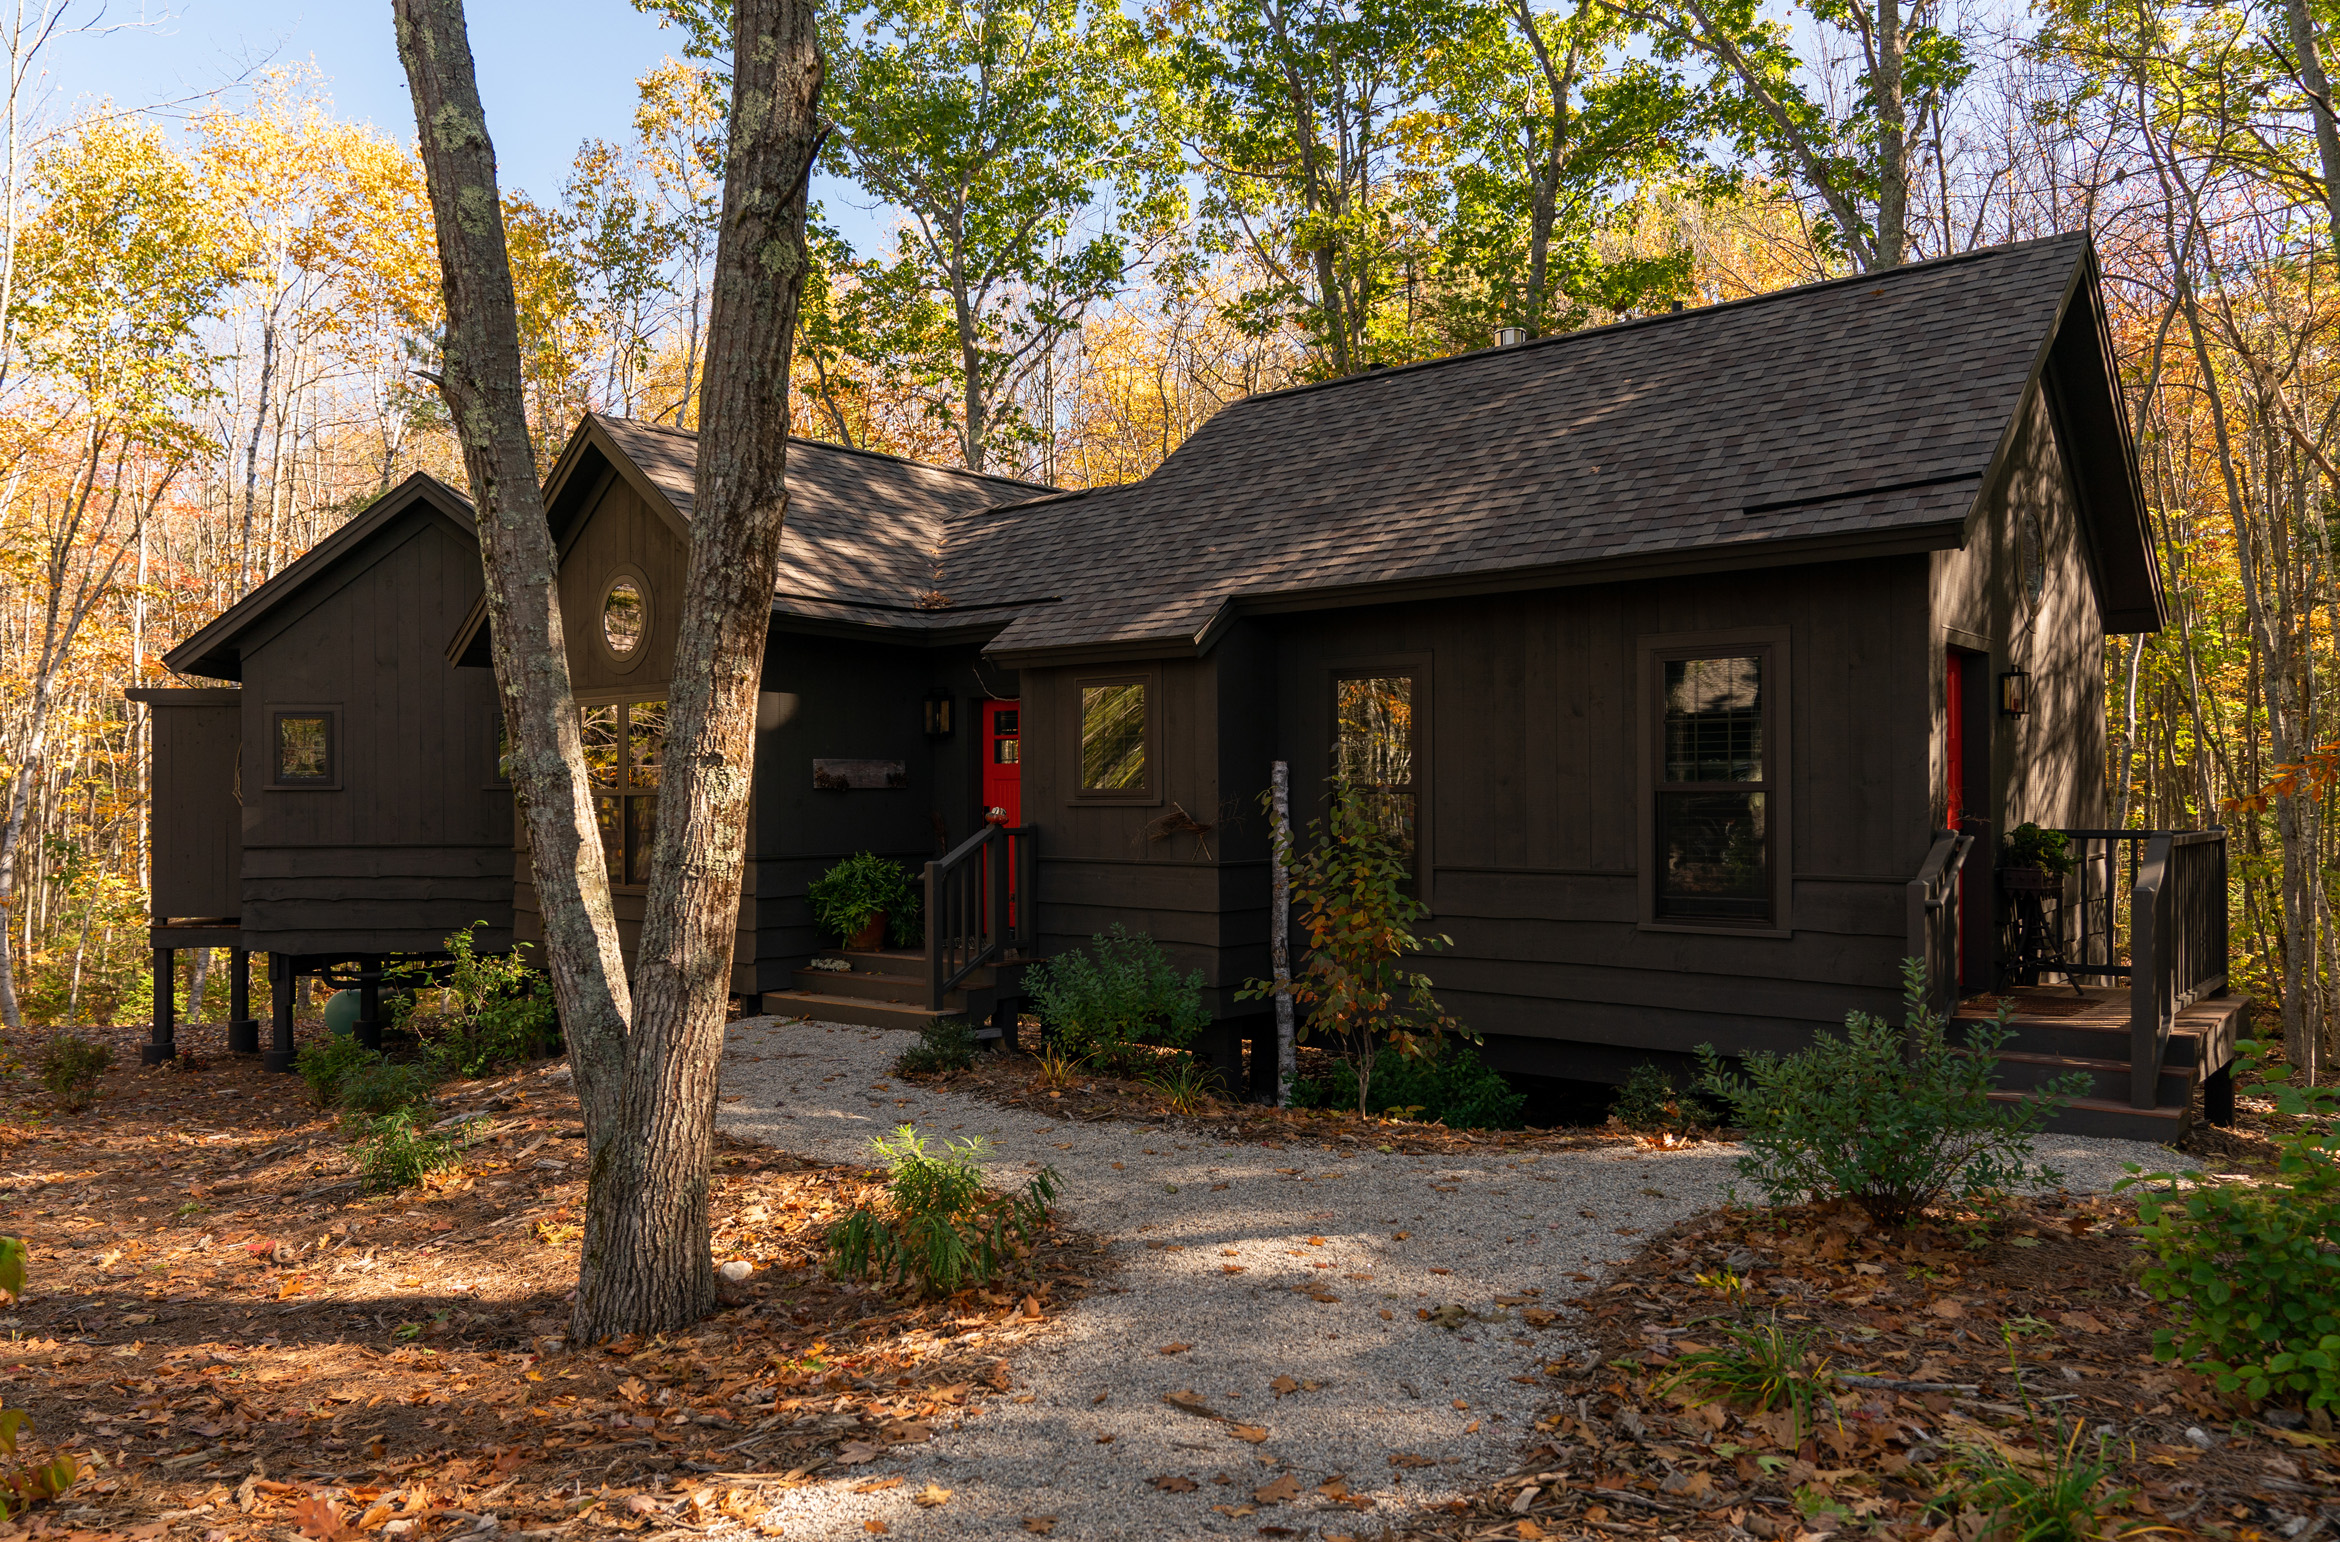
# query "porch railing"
(2150, 909)
(1933, 914)
(979, 905)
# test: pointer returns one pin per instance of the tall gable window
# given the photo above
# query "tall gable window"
(1716, 783)
(1375, 747)
(625, 752)
(302, 748)
(1116, 737)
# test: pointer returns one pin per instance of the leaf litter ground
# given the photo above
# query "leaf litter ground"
(238, 1341)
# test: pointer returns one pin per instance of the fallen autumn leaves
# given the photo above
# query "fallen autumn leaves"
(227, 1333)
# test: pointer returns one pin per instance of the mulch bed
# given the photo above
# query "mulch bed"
(236, 1340)
(1944, 1339)
(1012, 1080)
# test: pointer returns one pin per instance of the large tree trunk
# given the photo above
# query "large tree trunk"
(646, 1259)
(646, 1071)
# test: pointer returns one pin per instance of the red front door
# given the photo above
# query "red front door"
(1954, 782)
(1003, 763)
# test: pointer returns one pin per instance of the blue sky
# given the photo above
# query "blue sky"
(552, 74)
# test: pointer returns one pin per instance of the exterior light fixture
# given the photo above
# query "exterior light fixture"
(938, 713)
(2015, 693)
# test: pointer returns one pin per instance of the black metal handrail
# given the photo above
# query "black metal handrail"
(1933, 913)
(979, 905)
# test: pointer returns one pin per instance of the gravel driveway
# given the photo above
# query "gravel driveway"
(1295, 1277)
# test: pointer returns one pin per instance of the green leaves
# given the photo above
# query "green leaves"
(1120, 993)
(940, 1231)
(1895, 1119)
(12, 1256)
(846, 897)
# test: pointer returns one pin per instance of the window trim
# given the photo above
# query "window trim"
(624, 663)
(623, 698)
(1416, 667)
(1657, 649)
(1138, 797)
(331, 713)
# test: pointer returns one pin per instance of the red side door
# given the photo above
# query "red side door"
(1954, 781)
(1003, 762)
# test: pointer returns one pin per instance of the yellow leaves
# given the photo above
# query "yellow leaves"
(931, 1497)
(558, 1233)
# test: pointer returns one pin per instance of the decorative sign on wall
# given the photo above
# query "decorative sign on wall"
(840, 775)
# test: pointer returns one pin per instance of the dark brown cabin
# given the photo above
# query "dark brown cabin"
(343, 806)
(1703, 660)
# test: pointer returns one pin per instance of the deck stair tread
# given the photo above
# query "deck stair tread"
(2094, 1040)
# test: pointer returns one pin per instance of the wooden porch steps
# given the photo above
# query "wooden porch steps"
(2058, 1032)
(885, 988)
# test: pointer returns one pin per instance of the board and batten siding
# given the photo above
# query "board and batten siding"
(412, 839)
(195, 823)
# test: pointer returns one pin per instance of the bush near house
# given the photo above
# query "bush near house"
(1447, 1085)
(71, 1068)
(1895, 1119)
(2253, 1269)
(502, 1012)
(1106, 1004)
(940, 1231)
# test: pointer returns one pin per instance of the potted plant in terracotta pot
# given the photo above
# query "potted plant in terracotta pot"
(2035, 861)
(865, 899)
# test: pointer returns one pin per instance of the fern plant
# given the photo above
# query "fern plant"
(941, 1230)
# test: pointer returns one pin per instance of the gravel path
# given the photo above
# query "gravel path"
(1275, 1267)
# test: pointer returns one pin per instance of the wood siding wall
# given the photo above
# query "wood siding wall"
(414, 841)
(195, 823)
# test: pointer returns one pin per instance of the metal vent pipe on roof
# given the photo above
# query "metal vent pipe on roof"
(1510, 337)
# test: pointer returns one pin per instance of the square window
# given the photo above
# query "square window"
(1113, 737)
(1007, 752)
(1714, 862)
(304, 747)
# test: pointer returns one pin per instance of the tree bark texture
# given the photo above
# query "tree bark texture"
(646, 1261)
(481, 383)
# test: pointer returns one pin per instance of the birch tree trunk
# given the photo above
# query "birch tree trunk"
(645, 1067)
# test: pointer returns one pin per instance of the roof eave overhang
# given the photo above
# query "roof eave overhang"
(1841, 546)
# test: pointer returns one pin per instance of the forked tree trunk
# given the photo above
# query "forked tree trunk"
(645, 1068)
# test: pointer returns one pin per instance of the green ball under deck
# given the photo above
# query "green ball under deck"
(341, 1012)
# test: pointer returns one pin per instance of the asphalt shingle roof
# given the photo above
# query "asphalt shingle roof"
(864, 530)
(1869, 406)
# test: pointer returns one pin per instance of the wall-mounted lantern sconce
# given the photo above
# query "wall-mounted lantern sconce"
(2015, 692)
(938, 713)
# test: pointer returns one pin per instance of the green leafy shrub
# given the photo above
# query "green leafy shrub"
(503, 1012)
(23, 1485)
(2252, 1270)
(1895, 1119)
(383, 1087)
(71, 1068)
(846, 897)
(325, 1065)
(1103, 1004)
(1649, 1100)
(946, 1044)
(1445, 1084)
(941, 1231)
(398, 1149)
(1353, 887)
(2027, 845)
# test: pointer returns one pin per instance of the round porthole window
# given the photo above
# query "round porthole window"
(625, 617)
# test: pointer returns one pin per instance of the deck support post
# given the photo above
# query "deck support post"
(1003, 1017)
(2218, 1096)
(369, 1018)
(243, 1032)
(280, 1005)
(163, 1045)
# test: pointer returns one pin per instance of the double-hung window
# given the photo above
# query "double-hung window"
(1716, 785)
(625, 747)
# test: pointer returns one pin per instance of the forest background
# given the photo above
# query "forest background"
(218, 321)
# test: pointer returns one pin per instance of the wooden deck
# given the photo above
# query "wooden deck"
(2059, 1030)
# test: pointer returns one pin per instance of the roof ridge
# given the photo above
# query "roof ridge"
(1580, 334)
(692, 434)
